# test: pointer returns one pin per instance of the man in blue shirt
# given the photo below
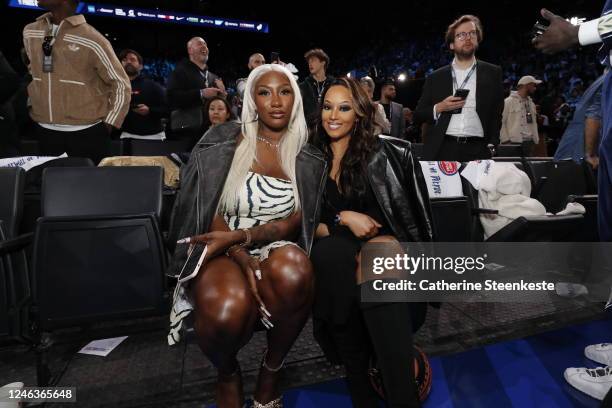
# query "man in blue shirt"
(559, 36)
(580, 140)
(562, 35)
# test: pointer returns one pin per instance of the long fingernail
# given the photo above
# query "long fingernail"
(184, 241)
(263, 309)
(258, 274)
(266, 323)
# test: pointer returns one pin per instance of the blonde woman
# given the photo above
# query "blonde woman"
(250, 193)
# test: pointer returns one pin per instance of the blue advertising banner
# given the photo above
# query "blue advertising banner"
(159, 16)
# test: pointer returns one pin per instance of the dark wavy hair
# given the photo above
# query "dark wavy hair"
(352, 177)
(227, 106)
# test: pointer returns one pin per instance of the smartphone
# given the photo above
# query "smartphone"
(195, 258)
(274, 57)
(461, 93)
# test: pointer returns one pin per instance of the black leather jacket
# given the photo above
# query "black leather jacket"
(203, 179)
(400, 189)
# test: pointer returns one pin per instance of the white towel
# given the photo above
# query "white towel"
(506, 189)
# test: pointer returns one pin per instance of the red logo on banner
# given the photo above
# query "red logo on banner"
(448, 167)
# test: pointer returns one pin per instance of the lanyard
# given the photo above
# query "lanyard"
(47, 48)
(465, 81)
(205, 76)
(51, 35)
(320, 89)
(528, 115)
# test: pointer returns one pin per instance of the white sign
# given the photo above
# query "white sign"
(28, 162)
(102, 347)
(442, 178)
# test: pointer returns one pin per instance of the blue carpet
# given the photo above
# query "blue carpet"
(525, 373)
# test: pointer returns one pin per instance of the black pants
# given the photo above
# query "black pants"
(93, 142)
(381, 330)
(352, 332)
(463, 151)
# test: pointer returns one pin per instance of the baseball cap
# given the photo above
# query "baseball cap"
(528, 79)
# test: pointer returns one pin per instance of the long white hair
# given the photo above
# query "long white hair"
(295, 137)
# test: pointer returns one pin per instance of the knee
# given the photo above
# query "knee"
(290, 272)
(223, 313)
(383, 239)
(384, 244)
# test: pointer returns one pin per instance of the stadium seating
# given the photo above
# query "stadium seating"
(14, 272)
(98, 250)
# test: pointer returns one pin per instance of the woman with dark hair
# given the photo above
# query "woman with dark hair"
(216, 111)
(373, 194)
(251, 191)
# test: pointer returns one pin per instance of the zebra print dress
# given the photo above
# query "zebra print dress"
(262, 199)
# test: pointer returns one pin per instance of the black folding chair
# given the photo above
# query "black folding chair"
(451, 219)
(558, 228)
(14, 271)
(98, 250)
(33, 184)
(554, 181)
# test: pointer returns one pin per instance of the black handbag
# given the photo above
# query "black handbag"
(190, 119)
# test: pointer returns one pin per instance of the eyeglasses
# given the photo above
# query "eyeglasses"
(463, 35)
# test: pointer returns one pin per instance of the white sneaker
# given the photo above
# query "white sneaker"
(600, 353)
(595, 382)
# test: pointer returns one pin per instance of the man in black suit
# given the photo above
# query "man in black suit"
(460, 129)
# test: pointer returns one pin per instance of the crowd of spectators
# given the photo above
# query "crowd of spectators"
(565, 77)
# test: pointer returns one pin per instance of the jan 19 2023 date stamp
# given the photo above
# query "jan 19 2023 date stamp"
(38, 394)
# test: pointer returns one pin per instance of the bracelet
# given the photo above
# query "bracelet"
(247, 239)
(231, 251)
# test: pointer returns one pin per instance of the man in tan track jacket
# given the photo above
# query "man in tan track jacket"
(519, 119)
(79, 90)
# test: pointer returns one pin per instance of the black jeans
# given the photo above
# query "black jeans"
(93, 142)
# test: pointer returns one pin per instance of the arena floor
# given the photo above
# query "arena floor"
(510, 354)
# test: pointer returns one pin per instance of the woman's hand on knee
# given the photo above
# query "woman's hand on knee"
(252, 271)
(361, 225)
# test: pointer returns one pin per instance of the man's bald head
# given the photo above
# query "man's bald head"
(197, 50)
(256, 60)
